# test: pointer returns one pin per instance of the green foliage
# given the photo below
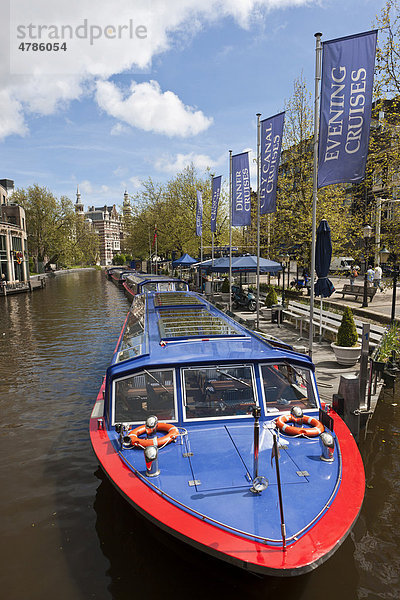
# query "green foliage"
(347, 332)
(390, 343)
(119, 259)
(225, 286)
(55, 232)
(271, 297)
(171, 208)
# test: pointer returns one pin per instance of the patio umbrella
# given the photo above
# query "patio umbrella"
(245, 264)
(323, 254)
(184, 261)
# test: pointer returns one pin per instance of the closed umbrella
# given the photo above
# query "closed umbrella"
(323, 254)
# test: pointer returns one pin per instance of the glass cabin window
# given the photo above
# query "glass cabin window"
(149, 287)
(144, 394)
(165, 286)
(181, 286)
(132, 343)
(218, 391)
(286, 386)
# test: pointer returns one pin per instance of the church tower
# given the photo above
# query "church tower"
(78, 204)
(127, 209)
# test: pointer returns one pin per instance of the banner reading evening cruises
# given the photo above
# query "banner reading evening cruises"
(241, 204)
(216, 191)
(199, 214)
(345, 115)
(271, 142)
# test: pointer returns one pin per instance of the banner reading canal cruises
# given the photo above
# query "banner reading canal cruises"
(216, 191)
(241, 204)
(271, 143)
(199, 214)
(345, 115)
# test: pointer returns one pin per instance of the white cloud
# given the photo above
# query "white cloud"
(136, 182)
(175, 164)
(148, 108)
(119, 129)
(88, 64)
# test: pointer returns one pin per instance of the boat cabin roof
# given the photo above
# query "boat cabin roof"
(177, 328)
(141, 277)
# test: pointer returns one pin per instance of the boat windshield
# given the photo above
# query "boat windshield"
(212, 392)
(285, 386)
(133, 341)
(143, 394)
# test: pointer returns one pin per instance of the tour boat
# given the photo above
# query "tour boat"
(138, 283)
(219, 438)
(119, 275)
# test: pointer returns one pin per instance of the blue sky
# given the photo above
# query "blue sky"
(213, 65)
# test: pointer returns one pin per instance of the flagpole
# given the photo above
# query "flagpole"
(151, 266)
(318, 49)
(258, 218)
(201, 258)
(156, 257)
(230, 230)
(212, 242)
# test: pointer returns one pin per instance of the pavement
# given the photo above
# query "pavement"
(379, 309)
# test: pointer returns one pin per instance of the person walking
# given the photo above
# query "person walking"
(353, 275)
(378, 278)
(370, 275)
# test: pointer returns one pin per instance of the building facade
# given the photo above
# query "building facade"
(108, 224)
(13, 245)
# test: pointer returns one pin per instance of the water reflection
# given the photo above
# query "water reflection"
(65, 529)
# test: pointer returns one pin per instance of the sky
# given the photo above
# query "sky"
(144, 88)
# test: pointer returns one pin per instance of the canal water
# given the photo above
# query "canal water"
(66, 533)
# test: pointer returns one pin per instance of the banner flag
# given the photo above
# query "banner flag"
(345, 113)
(199, 214)
(271, 143)
(216, 191)
(155, 236)
(241, 203)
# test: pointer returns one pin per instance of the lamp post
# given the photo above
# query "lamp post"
(284, 260)
(384, 254)
(367, 232)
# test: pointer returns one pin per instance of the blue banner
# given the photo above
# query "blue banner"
(199, 214)
(270, 155)
(241, 203)
(346, 101)
(216, 191)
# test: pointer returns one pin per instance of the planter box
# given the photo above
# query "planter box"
(346, 355)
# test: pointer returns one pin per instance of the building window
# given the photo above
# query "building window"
(16, 243)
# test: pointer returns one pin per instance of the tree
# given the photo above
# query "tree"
(55, 233)
(171, 208)
(387, 80)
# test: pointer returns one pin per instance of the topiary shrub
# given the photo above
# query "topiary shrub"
(271, 297)
(225, 286)
(347, 332)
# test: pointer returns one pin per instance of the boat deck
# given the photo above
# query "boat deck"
(216, 462)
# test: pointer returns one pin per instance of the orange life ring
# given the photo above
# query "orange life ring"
(171, 433)
(314, 430)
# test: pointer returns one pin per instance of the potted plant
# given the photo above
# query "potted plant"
(225, 290)
(271, 298)
(388, 351)
(347, 349)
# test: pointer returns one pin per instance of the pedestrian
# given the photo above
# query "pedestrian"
(353, 275)
(370, 275)
(377, 281)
